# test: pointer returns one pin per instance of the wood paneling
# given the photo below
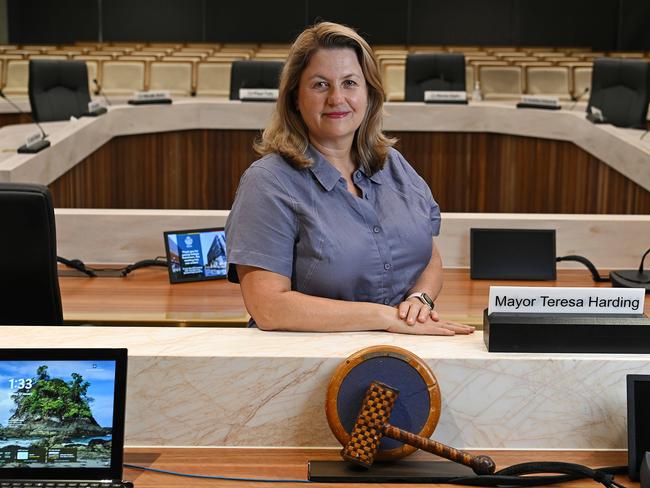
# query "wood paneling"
(11, 118)
(467, 172)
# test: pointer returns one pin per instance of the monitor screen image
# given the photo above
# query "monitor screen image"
(196, 255)
(56, 414)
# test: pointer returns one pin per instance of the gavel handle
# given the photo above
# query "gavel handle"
(480, 464)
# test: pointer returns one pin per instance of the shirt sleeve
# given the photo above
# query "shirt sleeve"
(262, 227)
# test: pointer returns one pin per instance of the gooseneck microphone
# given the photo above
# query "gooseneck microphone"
(37, 145)
(101, 92)
(576, 98)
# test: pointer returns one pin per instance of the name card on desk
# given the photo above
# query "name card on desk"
(142, 96)
(537, 101)
(455, 96)
(258, 93)
(522, 300)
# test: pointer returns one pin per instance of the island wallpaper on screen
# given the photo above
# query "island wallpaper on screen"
(56, 414)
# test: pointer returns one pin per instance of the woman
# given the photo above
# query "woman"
(332, 230)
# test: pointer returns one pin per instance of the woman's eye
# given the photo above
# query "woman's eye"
(350, 83)
(320, 84)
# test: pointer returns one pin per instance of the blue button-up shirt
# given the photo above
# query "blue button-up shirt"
(304, 224)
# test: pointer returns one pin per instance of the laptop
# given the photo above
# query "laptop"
(62, 418)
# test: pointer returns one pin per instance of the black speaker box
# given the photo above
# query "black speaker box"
(638, 421)
(512, 254)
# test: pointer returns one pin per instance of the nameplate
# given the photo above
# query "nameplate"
(142, 96)
(445, 96)
(95, 106)
(33, 139)
(540, 101)
(523, 300)
(258, 93)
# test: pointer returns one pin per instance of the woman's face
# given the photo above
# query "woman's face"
(333, 96)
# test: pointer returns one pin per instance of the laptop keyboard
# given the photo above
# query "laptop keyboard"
(63, 484)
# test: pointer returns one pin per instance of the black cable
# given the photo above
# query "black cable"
(512, 476)
(558, 472)
(93, 272)
(78, 265)
(580, 259)
(142, 264)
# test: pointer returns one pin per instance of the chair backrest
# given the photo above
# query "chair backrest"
(29, 285)
(500, 82)
(16, 77)
(58, 89)
(436, 72)
(548, 80)
(213, 79)
(122, 77)
(254, 74)
(620, 89)
(175, 77)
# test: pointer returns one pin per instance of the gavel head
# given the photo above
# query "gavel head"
(369, 428)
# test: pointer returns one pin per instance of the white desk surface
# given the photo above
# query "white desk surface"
(245, 387)
(622, 149)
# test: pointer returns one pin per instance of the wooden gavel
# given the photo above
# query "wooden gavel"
(372, 424)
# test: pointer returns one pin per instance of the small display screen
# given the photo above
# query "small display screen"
(56, 414)
(196, 255)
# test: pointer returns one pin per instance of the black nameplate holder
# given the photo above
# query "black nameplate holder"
(566, 333)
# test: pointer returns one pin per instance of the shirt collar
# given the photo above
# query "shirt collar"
(327, 175)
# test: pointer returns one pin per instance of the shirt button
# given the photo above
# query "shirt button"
(386, 301)
(357, 176)
(387, 266)
(376, 229)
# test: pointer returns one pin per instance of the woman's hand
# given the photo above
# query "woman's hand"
(420, 319)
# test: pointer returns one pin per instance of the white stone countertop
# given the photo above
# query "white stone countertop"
(224, 387)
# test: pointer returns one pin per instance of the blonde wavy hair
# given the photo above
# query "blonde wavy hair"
(287, 134)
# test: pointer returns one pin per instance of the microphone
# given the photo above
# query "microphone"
(632, 278)
(101, 92)
(595, 115)
(36, 144)
(576, 98)
(95, 108)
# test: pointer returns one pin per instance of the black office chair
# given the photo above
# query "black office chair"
(254, 74)
(620, 89)
(433, 72)
(29, 285)
(58, 89)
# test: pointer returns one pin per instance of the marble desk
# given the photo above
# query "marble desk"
(622, 149)
(225, 387)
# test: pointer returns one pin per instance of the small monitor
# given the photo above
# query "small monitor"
(512, 254)
(196, 254)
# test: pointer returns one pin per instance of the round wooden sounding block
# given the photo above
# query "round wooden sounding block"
(416, 410)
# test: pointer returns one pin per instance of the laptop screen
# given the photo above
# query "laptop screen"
(62, 412)
(196, 255)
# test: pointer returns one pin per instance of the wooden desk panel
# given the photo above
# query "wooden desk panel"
(292, 464)
(467, 172)
(146, 297)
